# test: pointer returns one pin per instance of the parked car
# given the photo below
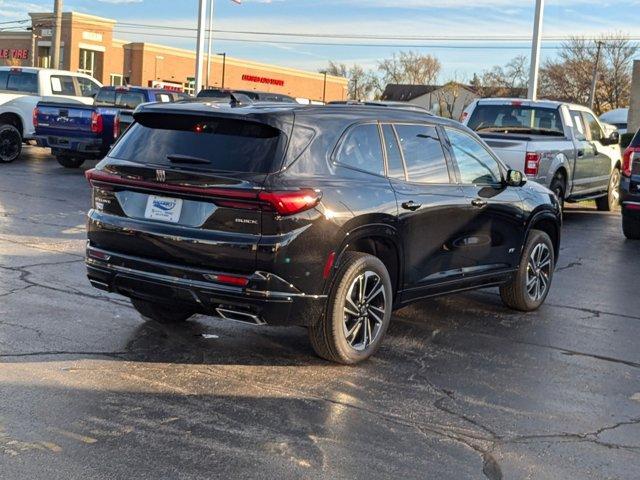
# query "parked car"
(617, 118)
(21, 88)
(328, 217)
(76, 133)
(630, 189)
(226, 95)
(559, 145)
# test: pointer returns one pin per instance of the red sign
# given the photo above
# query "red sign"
(169, 86)
(267, 80)
(17, 53)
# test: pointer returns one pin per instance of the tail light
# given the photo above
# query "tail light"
(234, 280)
(96, 122)
(628, 157)
(289, 203)
(116, 127)
(36, 112)
(532, 163)
(464, 116)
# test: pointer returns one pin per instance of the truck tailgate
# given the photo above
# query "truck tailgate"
(62, 119)
(511, 151)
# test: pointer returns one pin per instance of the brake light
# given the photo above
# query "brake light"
(36, 112)
(230, 280)
(96, 122)
(116, 127)
(464, 116)
(289, 203)
(532, 163)
(628, 157)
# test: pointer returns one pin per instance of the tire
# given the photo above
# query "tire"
(69, 162)
(631, 226)
(612, 200)
(160, 312)
(10, 143)
(559, 187)
(515, 294)
(330, 337)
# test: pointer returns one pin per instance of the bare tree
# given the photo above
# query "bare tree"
(410, 68)
(363, 84)
(336, 69)
(568, 78)
(503, 81)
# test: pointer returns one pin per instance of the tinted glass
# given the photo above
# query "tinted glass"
(228, 145)
(516, 118)
(579, 129)
(4, 75)
(120, 98)
(394, 157)
(594, 130)
(88, 88)
(362, 149)
(106, 96)
(22, 82)
(423, 154)
(475, 163)
(62, 85)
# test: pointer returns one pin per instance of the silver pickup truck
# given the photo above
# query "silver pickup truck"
(562, 146)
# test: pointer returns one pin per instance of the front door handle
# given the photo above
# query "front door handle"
(478, 202)
(411, 205)
(580, 153)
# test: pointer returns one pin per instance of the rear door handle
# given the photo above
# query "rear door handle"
(478, 202)
(411, 205)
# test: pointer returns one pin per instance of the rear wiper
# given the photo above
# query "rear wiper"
(175, 158)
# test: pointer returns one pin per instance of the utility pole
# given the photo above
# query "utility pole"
(535, 51)
(594, 79)
(324, 88)
(224, 66)
(210, 40)
(202, 10)
(57, 27)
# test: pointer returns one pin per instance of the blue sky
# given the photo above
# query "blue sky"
(478, 18)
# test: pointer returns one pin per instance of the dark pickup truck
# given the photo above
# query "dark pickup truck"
(76, 133)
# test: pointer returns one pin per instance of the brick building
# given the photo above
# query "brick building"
(88, 46)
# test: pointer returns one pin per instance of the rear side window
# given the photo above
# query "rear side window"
(22, 82)
(579, 130)
(394, 156)
(362, 150)
(423, 154)
(201, 144)
(63, 85)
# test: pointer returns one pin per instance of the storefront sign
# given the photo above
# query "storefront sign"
(14, 53)
(267, 80)
(96, 37)
(169, 86)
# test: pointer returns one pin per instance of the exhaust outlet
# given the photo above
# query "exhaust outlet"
(238, 316)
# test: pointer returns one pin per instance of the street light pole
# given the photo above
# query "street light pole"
(324, 88)
(211, 4)
(594, 79)
(535, 51)
(202, 9)
(224, 66)
(57, 27)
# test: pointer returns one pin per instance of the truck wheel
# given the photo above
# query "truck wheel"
(531, 283)
(558, 186)
(161, 313)
(358, 311)
(612, 200)
(630, 226)
(69, 162)
(10, 143)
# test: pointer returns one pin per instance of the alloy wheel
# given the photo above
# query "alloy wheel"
(364, 309)
(9, 145)
(614, 191)
(539, 272)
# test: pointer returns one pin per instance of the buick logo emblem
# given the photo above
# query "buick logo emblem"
(161, 175)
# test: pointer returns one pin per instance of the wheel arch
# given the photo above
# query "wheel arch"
(11, 118)
(548, 223)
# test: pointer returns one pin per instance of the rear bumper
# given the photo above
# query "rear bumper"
(267, 299)
(630, 195)
(85, 147)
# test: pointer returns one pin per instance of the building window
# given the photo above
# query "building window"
(87, 62)
(189, 88)
(116, 80)
(44, 57)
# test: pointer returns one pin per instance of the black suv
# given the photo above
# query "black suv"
(630, 189)
(327, 217)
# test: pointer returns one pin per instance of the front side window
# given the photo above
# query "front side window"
(595, 133)
(88, 88)
(423, 154)
(476, 165)
(362, 149)
(62, 85)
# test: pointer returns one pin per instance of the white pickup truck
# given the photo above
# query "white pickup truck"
(21, 88)
(560, 145)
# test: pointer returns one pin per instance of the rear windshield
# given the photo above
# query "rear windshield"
(201, 144)
(516, 119)
(18, 81)
(119, 98)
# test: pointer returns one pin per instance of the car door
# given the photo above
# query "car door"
(603, 153)
(585, 163)
(493, 216)
(428, 202)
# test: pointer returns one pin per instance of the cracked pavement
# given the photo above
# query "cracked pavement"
(462, 387)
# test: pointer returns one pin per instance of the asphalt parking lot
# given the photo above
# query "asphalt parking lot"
(462, 388)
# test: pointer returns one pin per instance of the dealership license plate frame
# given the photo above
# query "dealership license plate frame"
(163, 209)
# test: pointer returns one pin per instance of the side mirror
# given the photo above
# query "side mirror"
(612, 139)
(515, 178)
